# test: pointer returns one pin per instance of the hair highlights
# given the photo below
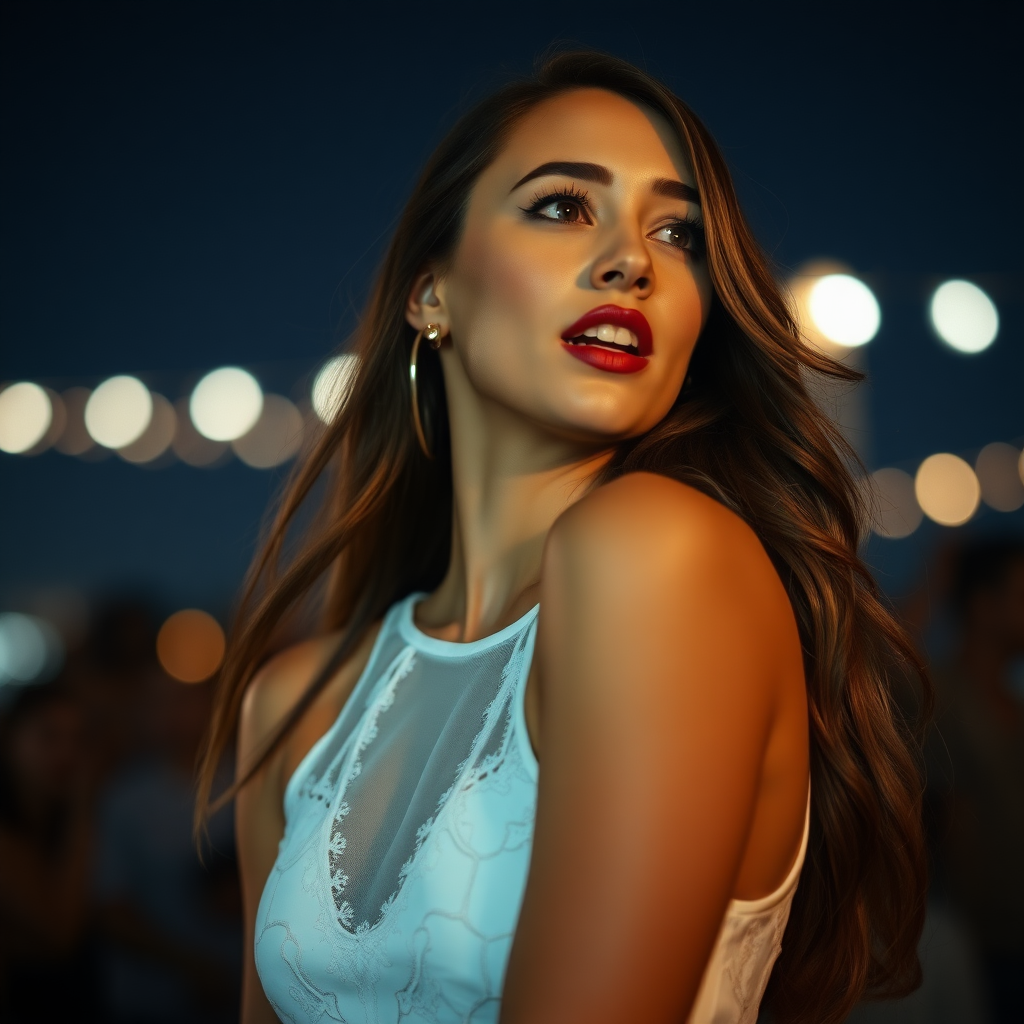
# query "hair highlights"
(744, 430)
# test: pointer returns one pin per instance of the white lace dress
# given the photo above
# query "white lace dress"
(400, 875)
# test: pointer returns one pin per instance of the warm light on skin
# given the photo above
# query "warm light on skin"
(517, 282)
(531, 425)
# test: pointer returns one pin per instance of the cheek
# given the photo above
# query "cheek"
(505, 304)
(687, 315)
(499, 277)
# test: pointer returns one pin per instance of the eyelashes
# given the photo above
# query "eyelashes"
(689, 228)
(566, 197)
(572, 205)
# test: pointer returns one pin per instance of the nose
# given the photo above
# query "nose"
(625, 266)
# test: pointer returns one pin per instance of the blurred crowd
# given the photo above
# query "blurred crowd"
(110, 912)
(968, 617)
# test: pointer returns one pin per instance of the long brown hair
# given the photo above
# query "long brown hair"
(746, 431)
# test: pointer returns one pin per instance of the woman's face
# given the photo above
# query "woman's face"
(579, 286)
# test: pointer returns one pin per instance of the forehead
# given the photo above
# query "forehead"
(595, 126)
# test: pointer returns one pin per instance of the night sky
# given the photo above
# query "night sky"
(192, 185)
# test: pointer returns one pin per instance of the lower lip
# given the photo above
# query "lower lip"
(607, 359)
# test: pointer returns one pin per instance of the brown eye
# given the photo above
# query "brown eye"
(677, 235)
(565, 206)
(561, 210)
(682, 235)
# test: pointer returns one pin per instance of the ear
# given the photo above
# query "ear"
(426, 304)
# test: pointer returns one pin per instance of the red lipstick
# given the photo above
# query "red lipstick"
(604, 355)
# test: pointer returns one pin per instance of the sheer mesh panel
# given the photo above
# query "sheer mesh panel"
(426, 724)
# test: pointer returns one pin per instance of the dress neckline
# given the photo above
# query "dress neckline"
(413, 635)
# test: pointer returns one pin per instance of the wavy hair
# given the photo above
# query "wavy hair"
(746, 431)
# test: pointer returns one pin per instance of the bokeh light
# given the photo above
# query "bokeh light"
(74, 438)
(998, 469)
(58, 420)
(896, 512)
(31, 650)
(190, 446)
(190, 645)
(276, 437)
(947, 489)
(963, 316)
(333, 384)
(25, 416)
(118, 411)
(844, 309)
(226, 404)
(157, 437)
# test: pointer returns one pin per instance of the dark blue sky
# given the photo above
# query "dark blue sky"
(191, 185)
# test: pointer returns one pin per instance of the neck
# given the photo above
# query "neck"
(511, 480)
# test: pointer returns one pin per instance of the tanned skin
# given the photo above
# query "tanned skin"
(666, 701)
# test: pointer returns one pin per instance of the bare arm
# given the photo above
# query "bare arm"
(664, 636)
(259, 826)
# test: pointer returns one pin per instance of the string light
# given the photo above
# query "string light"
(963, 316)
(997, 467)
(845, 310)
(226, 404)
(896, 511)
(157, 437)
(25, 416)
(190, 446)
(74, 438)
(947, 489)
(276, 437)
(118, 411)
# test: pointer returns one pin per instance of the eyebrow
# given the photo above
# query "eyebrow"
(602, 176)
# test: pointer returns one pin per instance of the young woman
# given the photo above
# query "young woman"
(600, 667)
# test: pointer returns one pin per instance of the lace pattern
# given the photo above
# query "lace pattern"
(413, 807)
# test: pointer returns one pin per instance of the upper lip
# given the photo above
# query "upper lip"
(632, 319)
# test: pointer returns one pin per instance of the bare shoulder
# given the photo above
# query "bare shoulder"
(642, 528)
(667, 656)
(279, 684)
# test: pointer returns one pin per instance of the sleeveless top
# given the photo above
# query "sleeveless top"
(408, 829)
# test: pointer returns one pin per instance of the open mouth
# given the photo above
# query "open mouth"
(608, 336)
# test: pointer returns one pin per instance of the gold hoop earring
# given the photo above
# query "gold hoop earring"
(432, 332)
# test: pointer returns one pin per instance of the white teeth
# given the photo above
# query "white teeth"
(624, 337)
(615, 335)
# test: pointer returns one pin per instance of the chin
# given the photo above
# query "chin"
(601, 426)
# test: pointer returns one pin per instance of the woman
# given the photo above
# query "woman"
(605, 532)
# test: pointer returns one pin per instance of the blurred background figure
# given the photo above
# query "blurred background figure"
(968, 614)
(107, 912)
(46, 853)
(170, 923)
(976, 764)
